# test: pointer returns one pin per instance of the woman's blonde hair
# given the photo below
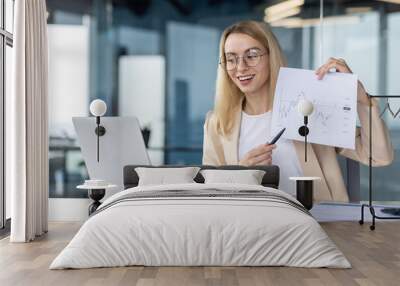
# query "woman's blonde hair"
(228, 95)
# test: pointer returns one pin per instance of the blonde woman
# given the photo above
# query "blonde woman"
(237, 130)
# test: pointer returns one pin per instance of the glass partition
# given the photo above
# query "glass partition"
(120, 45)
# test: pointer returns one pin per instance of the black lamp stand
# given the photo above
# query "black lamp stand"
(100, 131)
(304, 193)
(303, 131)
(96, 195)
(370, 205)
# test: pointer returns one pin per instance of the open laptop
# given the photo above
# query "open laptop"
(121, 145)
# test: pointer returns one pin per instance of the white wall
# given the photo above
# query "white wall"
(68, 76)
(141, 94)
(68, 209)
(68, 97)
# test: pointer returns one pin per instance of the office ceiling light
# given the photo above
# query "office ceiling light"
(282, 15)
(390, 1)
(297, 22)
(293, 22)
(283, 6)
(283, 10)
(358, 10)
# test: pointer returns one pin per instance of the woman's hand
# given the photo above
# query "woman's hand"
(341, 66)
(261, 155)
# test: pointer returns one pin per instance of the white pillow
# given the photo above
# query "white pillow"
(248, 177)
(163, 176)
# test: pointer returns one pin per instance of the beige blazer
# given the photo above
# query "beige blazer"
(321, 161)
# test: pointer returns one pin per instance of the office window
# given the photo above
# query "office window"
(385, 179)
(120, 40)
(186, 39)
(9, 12)
(355, 38)
(6, 42)
(8, 83)
(367, 37)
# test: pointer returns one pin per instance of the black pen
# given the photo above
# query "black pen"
(276, 138)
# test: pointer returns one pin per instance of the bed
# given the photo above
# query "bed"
(198, 224)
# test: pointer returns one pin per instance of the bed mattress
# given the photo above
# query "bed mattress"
(201, 225)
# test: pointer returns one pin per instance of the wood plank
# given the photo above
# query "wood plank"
(375, 258)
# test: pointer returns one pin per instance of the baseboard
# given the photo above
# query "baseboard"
(68, 210)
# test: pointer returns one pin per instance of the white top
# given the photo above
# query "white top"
(304, 178)
(255, 130)
(89, 187)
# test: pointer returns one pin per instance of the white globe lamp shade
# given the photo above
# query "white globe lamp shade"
(98, 107)
(305, 107)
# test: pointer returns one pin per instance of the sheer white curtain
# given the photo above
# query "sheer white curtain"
(27, 151)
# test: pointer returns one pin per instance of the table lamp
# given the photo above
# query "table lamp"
(305, 108)
(98, 108)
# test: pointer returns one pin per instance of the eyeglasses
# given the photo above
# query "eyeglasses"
(251, 58)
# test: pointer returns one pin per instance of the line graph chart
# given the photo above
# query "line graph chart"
(333, 120)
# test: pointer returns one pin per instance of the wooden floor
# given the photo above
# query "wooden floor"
(375, 257)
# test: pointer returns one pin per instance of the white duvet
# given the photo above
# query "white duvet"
(200, 231)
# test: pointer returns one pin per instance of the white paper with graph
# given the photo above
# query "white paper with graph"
(333, 121)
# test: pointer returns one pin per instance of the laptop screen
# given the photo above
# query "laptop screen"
(121, 145)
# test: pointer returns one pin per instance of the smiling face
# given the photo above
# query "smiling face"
(250, 79)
